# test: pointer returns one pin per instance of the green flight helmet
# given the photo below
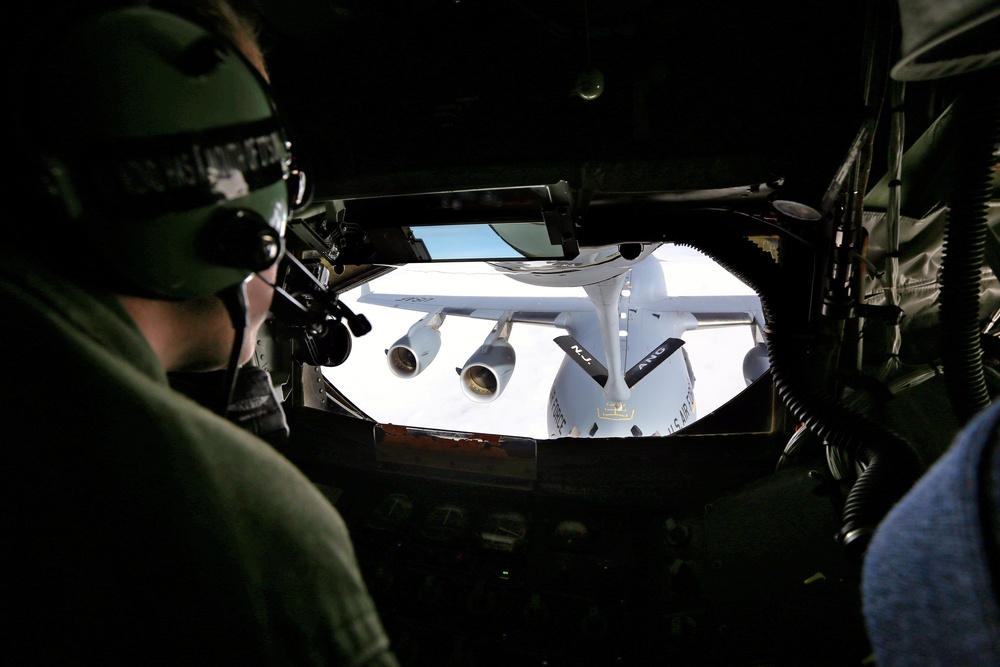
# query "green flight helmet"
(162, 148)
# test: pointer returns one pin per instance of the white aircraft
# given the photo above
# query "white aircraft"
(624, 373)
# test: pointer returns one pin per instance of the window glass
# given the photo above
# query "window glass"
(434, 399)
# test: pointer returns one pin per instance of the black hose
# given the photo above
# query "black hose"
(891, 464)
(977, 119)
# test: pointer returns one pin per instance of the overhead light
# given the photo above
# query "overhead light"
(590, 83)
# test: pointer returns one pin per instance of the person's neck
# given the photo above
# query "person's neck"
(180, 332)
(158, 325)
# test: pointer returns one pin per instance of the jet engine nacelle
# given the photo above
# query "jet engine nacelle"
(755, 363)
(486, 373)
(415, 351)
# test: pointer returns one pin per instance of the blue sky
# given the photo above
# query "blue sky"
(450, 242)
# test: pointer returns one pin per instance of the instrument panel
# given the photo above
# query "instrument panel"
(516, 582)
(464, 574)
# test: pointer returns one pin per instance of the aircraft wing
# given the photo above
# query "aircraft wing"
(553, 311)
(714, 311)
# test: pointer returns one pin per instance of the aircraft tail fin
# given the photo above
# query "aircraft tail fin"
(652, 360)
(583, 358)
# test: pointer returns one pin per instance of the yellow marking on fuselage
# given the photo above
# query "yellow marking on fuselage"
(615, 412)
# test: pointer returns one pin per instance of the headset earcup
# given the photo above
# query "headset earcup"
(200, 252)
(241, 239)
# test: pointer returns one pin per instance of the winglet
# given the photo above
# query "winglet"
(652, 360)
(583, 358)
(365, 289)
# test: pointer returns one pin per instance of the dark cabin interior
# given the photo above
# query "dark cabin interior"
(731, 542)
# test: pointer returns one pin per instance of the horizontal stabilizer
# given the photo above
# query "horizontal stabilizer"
(583, 358)
(652, 360)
